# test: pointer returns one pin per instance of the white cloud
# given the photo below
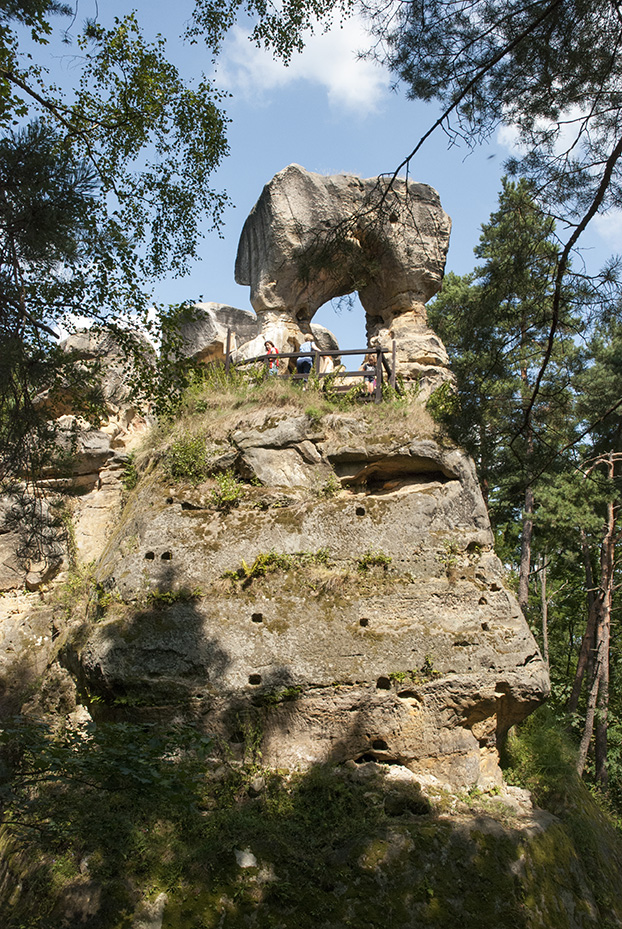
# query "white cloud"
(329, 59)
(609, 228)
(570, 124)
(507, 137)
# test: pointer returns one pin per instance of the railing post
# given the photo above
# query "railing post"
(317, 363)
(378, 398)
(228, 351)
(393, 379)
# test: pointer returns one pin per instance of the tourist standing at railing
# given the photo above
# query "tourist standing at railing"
(273, 363)
(369, 366)
(305, 362)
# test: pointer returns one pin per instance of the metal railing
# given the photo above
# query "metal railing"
(381, 354)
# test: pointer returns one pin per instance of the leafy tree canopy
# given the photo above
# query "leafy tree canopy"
(103, 186)
(551, 70)
(149, 139)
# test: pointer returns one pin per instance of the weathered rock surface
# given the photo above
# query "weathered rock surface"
(88, 462)
(393, 254)
(204, 332)
(425, 660)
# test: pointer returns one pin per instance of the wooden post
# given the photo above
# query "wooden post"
(378, 398)
(393, 380)
(228, 351)
(317, 363)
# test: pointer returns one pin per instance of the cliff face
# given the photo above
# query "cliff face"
(278, 696)
(350, 600)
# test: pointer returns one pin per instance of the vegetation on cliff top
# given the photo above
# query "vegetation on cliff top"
(211, 404)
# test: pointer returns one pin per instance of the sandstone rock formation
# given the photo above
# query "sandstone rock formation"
(88, 462)
(391, 637)
(328, 594)
(100, 455)
(204, 331)
(310, 238)
(204, 334)
(323, 338)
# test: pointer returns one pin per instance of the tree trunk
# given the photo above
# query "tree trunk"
(544, 607)
(527, 533)
(525, 551)
(604, 628)
(588, 729)
(598, 698)
(588, 643)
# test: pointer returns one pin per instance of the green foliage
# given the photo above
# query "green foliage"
(75, 590)
(103, 189)
(443, 404)
(138, 810)
(540, 757)
(130, 476)
(263, 563)
(373, 559)
(528, 66)
(399, 394)
(315, 414)
(167, 597)
(267, 562)
(187, 459)
(449, 556)
(420, 675)
(228, 491)
(495, 323)
(328, 488)
(276, 697)
(44, 240)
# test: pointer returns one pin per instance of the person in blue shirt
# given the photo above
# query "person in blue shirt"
(305, 362)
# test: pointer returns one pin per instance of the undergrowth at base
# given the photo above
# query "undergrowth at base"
(137, 810)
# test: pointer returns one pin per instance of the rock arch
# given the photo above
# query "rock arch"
(310, 238)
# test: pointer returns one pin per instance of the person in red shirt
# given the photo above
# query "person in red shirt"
(273, 364)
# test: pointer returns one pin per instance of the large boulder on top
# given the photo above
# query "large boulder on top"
(310, 238)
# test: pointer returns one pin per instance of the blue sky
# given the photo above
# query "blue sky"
(330, 112)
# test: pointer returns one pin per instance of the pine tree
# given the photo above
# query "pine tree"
(494, 323)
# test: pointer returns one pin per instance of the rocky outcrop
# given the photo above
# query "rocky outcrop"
(310, 238)
(204, 329)
(98, 456)
(351, 601)
(85, 460)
